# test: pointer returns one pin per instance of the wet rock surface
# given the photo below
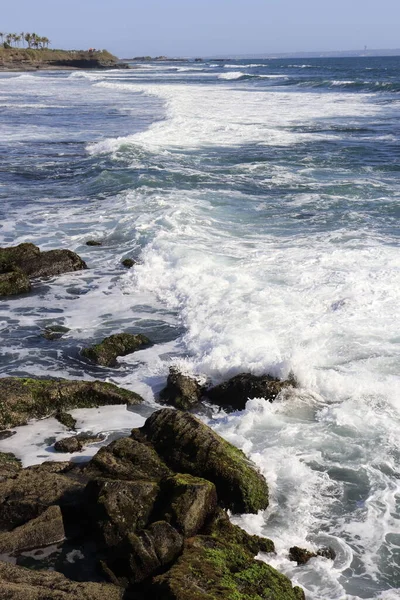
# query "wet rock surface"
(150, 507)
(128, 263)
(181, 391)
(33, 263)
(120, 344)
(22, 399)
(189, 446)
(54, 332)
(76, 443)
(9, 465)
(14, 282)
(234, 393)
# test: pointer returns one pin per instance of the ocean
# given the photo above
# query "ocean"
(260, 199)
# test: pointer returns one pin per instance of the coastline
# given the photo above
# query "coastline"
(28, 60)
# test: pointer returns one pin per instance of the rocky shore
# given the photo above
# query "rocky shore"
(147, 516)
(20, 59)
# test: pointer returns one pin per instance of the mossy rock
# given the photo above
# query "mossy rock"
(189, 446)
(211, 569)
(45, 530)
(110, 348)
(13, 283)
(22, 399)
(127, 459)
(221, 528)
(9, 465)
(34, 263)
(181, 391)
(54, 332)
(94, 243)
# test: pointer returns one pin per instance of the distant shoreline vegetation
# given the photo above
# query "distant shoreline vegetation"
(33, 40)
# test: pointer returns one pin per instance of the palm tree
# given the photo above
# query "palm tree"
(28, 39)
(2, 36)
(22, 36)
(17, 39)
(45, 41)
(9, 38)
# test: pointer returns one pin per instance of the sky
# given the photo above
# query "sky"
(208, 27)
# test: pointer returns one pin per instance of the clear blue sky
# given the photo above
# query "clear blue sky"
(206, 27)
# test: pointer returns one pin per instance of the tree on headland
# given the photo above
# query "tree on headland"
(33, 40)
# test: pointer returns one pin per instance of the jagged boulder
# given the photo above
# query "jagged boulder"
(18, 583)
(120, 344)
(22, 399)
(127, 459)
(28, 494)
(46, 529)
(181, 391)
(234, 393)
(35, 263)
(188, 502)
(300, 555)
(212, 568)
(188, 446)
(76, 443)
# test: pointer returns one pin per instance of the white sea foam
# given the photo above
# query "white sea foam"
(232, 75)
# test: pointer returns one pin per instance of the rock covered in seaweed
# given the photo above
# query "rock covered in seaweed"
(234, 393)
(34, 263)
(22, 399)
(189, 446)
(44, 530)
(14, 282)
(119, 344)
(181, 391)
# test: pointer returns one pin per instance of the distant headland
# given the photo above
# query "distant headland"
(35, 54)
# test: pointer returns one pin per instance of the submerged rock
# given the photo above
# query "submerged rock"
(45, 530)
(35, 263)
(212, 568)
(54, 332)
(328, 553)
(66, 419)
(22, 399)
(18, 583)
(110, 348)
(181, 391)
(189, 446)
(14, 282)
(128, 263)
(234, 393)
(94, 243)
(300, 555)
(76, 443)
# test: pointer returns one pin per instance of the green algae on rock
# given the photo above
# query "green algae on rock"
(14, 282)
(119, 344)
(128, 263)
(9, 465)
(34, 263)
(189, 446)
(45, 530)
(181, 391)
(215, 569)
(22, 399)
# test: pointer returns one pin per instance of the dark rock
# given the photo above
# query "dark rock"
(220, 527)
(76, 443)
(29, 493)
(181, 391)
(189, 446)
(23, 398)
(69, 445)
(234, 393)
(18, 583)
(188, 502)
(128, 263)
(94, 243)
(35, 263)
(210, 569)
(45, 530)
(127, 459)
(13, 283)
(150, 550)
(9, 465)
(120, 507)
(110, 348)
(65, 419)
(54, 332)
(300, 555)
(328, 553)
(4, 435)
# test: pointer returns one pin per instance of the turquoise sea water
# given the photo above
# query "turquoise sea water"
(261, 200)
